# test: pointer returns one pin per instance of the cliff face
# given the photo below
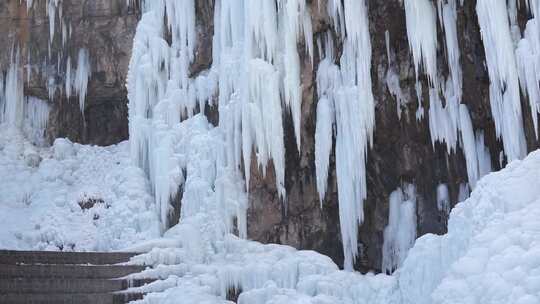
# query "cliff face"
(402, 151)
(105, 28)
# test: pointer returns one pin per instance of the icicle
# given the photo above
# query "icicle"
(503, 74)
(483, 155)
(295, 21)
(464, 192)
(400, 234)
(469, 145)
(14, 93)
(350, 90)
(452, 48)
(392, 78)
(323, 143)
(528, 62)
(28, 67)
(51, 13)
(68, 81)
(82, 76)
(421, 22)
(2, 99)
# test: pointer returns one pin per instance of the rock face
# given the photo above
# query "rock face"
(402, 150)
(105, 28)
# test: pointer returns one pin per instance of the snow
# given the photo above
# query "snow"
(490, 253)
(42, 189)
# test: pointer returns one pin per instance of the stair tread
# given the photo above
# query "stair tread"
(63, 298)
(68, 277)
(68, 271)
(68, 286)
(62, 257)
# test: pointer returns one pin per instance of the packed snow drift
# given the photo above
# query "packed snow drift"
(71, 197)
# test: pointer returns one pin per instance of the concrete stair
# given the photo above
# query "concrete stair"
(33, 277)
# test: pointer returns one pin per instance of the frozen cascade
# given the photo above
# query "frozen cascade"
(528, 61)
(253, 40)
(400, 234)
(348, 88)
(503, 74)
(449, 120)
(296, 21)
(36, 116)
(157, 95)
(14, 94)
(76, 80)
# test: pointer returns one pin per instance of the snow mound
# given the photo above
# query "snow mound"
(491, 253)
(71, 196)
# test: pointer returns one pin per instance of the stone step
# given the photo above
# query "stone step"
(68, 271)
(66, 286)
(75, 298)
(52, 257)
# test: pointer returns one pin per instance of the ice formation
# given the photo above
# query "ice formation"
(36, 117)
(13, 101)
(347, 89)
(74, 79)
(255, 78)
(257, 38)
(82, 76)
(503, 74)
(323, 142)
(421, 19)
(443, 199)
(528, 61)
(400, 234)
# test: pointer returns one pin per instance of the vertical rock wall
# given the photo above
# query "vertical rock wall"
(106, 29)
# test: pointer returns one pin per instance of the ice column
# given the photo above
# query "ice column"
(400, 234)
(503, 74)
(348, 88)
